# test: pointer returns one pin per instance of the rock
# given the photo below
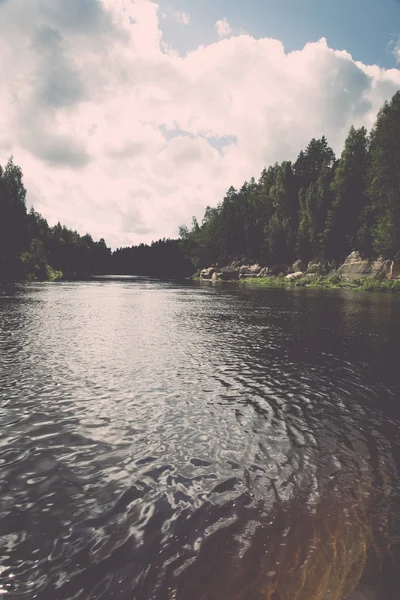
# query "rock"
(293, 276)
(356, 266)
(394, 270)
(298, 266)
(207, 273)
(216, 276)
(263, 272)
(255, 269)
(314, 266)
(252, 270)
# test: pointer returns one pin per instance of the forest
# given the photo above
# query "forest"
(32, 250)
(317, 207)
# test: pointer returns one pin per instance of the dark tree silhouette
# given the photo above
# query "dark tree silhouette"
(315, 208)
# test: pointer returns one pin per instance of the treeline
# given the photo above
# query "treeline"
(31, 249)
(317, 207)
(163, 258)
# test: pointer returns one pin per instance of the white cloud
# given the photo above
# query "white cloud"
(117, 133)
(396, 51)
(223, 28)
(181, 17)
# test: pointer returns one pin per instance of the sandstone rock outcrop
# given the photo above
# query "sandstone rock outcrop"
(356, 266)
(249, 271)
(394, 270)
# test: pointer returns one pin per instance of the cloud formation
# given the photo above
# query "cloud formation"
(394, 46)
(223, 28)
(119, 135)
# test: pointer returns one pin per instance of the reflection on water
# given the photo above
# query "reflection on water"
(192, 443)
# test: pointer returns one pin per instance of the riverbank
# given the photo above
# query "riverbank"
(46, 274)
(334, 282)
(357, 272)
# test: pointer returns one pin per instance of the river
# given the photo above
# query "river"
(161, 441)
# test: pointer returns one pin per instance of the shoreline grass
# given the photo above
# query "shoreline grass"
(366, 284)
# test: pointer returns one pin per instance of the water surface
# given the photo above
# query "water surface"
(163, 441)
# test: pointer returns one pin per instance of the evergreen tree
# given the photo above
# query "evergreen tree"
(349, 196)
(316, 208)
(13, 224)
(384, 180)
(317, 156)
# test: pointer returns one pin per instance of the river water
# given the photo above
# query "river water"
(185, 442)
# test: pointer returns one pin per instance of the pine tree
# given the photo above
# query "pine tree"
(13, 223)
(349, 196)
(384, 180)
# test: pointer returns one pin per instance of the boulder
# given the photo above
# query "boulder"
(298, 266)
(293, 276)
(216, 276)
(394, 270)
(251, 270)
(356, 266)
(263, 272)
(255, 269)
(314, 266)
(207, 273)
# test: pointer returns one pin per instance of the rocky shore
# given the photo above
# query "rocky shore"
(356, 271)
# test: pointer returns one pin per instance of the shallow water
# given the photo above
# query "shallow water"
(163, 441)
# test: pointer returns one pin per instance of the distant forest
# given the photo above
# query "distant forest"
(31, 249)
(318, 207)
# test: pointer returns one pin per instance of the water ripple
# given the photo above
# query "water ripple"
(164, 442)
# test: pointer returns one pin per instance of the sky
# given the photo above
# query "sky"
(128, 117)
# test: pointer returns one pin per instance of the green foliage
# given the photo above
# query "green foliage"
(384, 180)
(349, 191)
(317, 208)
(52, 275)
(31, 249)
(335, 281)
(163, 258)
(13, 230)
